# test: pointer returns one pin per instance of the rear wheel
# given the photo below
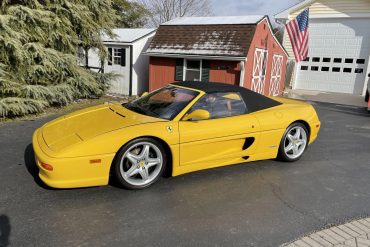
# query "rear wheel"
(294, 142)
(140, 163)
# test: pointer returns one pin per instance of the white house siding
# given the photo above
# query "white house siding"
(135, 69)
(333, 7)
(140, 69)
(330, 9)
(120, 85)
(338, 29)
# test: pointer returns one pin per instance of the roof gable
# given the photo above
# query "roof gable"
(285, 13)
(128, 35)
(329, 9)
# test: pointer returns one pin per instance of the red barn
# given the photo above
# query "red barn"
(240, 50)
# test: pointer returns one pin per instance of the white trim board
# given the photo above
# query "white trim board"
(226, 58)
(273, 35)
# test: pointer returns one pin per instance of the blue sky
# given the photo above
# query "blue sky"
(250, 7)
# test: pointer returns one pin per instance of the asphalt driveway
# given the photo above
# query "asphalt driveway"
(263, 203)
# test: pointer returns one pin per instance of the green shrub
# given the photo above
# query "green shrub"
(39, 40)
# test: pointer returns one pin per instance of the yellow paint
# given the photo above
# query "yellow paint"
(70, 142)
(198, 114)
(233, 96)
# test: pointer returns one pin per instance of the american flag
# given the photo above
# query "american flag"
(298, 34)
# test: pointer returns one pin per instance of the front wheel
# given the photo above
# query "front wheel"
(140, 163)
(294, 142)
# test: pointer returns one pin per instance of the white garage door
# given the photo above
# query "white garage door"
(338, 56)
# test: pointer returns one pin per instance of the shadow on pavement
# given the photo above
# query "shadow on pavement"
(29, 161)
(351, 110)
(4, 230)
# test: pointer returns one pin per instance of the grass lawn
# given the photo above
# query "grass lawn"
(80, 104)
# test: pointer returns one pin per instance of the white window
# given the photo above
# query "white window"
(117, 56)
(193, 70)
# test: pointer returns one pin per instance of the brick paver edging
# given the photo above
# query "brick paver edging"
(355, 233)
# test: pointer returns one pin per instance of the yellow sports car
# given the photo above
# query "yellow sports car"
(181, 128)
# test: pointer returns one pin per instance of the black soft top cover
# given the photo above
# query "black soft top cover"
(253, 100)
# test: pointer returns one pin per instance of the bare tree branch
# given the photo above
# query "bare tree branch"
(166, 10)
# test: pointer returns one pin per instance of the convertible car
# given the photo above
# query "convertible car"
(180, 128)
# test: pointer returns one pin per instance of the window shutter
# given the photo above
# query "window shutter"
(109, 56)
(205, 70)
(179, 73)
(123, 57)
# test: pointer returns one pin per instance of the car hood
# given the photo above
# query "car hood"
(85, 124)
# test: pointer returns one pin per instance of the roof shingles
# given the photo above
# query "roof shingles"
(211, 40)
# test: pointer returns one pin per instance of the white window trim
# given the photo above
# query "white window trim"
(114, 50)
(185, 68)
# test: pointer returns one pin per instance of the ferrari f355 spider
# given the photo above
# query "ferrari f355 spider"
(180, 128)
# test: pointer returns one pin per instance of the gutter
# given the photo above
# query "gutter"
(131, 68)
(179, 55)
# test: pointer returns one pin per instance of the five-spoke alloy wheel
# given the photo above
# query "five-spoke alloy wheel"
(294, 142)
(140, 163)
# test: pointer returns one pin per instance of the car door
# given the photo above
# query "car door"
(228, 135)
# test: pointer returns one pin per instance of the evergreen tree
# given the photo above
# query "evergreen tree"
(131, 14)
(39, 41)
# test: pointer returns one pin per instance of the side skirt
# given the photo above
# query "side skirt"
(178, 170)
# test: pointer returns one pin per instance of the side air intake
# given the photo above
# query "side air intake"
(248, 142)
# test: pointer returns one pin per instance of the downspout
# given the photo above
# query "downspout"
(241, 81)
(131, 68)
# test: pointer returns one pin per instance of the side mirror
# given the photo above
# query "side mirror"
(144, 94)
(197, 115)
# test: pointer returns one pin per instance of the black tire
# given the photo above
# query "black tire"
(367, 96)
(117, 163)
(282, 155)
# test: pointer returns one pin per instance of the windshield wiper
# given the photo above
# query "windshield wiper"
(138, 109)
(135, 108)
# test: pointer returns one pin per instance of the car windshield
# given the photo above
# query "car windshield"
(164, 103)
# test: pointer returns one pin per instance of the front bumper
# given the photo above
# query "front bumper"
(70, 172)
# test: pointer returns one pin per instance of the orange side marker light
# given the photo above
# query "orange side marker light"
(47, 166)
(97, 161)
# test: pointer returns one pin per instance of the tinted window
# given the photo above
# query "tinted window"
(360, 61)
(359, 71)
(335, 69)
(164, 103)
(337, 60)
(304, 67)
(315, 59)
(347, 70)
(314, 68)
(324, 68)
(348, 60)
(221, 105)
(326, 59)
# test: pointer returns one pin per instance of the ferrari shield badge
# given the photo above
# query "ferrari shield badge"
(169, 128)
